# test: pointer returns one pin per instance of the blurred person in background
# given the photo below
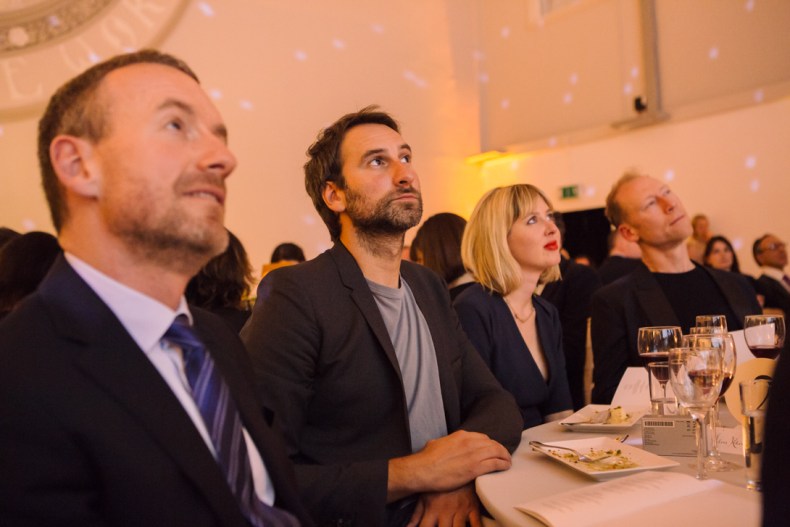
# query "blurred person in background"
(700, 234)
(719, 254)
(571, 295)
(24, 262)
(223, 285)
(624, 256)
(437, 246)
(283, 255)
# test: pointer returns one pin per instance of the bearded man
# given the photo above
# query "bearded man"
(388, 409)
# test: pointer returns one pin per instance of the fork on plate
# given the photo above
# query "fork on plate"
(582, 457)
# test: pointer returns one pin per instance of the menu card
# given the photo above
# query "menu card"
(617, 499)
(633, 390)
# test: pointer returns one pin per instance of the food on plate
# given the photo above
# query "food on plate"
(616, 416)
(608, 459)
(610, 416)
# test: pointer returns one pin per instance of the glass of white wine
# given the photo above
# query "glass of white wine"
(695, 374)
(725, 343)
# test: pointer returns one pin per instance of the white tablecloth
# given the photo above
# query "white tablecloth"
(534, 475)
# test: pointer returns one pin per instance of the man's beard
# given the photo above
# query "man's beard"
(175, 238)
(387, 218)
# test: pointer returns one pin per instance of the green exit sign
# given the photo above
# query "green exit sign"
(569, 192)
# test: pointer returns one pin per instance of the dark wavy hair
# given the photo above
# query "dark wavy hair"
(224, 281)
(287, 251)
(24, 262)
(736, 268)
(437, 245)
(325, 162)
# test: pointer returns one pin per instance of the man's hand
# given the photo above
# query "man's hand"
(456, 508)
(445, 464)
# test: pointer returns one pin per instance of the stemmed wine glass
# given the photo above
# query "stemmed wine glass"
(653, 344)
(725, 343)
(764, 334)
(695, 374)
(711, 323)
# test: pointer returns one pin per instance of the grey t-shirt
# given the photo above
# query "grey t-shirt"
(416, 355)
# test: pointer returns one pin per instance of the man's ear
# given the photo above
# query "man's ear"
(334, 197)
(71, 159)
(628, 233)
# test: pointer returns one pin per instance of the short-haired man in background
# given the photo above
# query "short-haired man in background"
(364, 355)
(770, 253)
(667, 288)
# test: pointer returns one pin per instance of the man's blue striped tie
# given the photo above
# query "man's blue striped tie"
(223, 422)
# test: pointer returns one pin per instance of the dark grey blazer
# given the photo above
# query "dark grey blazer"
(90, 433)
(323, 356)
(636, 300)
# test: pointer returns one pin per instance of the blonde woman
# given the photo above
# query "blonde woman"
(510, 245)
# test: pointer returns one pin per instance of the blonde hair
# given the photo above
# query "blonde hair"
(484, 248)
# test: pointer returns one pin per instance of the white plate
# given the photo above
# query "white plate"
(580, 421)
(644, 460)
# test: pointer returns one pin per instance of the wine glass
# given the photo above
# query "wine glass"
(764, 334)
(711, 323)
(653, 344)
(695, 374)
(725, 343)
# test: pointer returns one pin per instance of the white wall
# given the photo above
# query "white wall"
(281, 70)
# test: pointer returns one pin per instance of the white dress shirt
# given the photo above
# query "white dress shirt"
(147, 320)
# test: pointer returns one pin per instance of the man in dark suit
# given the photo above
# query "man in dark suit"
(106, 415)
(770, 253)
(666, 289)
(623, 257)
(389, 411)
(571, 296)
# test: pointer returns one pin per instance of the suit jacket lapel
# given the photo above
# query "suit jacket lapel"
(732, 294)
(111, 359)
(352, 277)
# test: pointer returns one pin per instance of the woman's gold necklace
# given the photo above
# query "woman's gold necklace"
(515, 315)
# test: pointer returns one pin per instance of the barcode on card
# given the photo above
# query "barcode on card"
(654, 424)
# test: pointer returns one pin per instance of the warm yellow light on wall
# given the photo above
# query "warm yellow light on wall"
(483, 157)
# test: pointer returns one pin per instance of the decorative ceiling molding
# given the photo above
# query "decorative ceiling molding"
(45, 42)
(27, 24)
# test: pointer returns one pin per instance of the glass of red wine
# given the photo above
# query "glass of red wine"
(725, 344)
(653, 344)
(764, 334)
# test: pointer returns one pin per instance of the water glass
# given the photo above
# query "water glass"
(754, 402)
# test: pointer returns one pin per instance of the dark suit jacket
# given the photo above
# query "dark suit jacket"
(636, 300)
(776, 296)
(90, 433)
(322, 353)
(489, 323)
(776, 458)
(572, 296)
(775, 293)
